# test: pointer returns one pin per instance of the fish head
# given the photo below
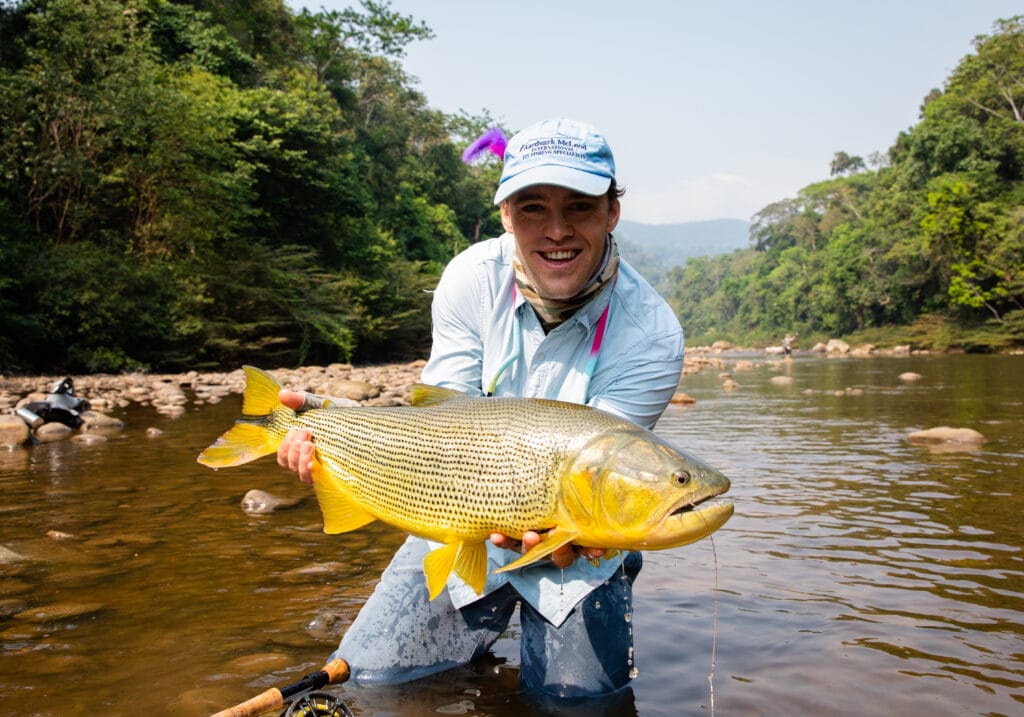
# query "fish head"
(629, 489)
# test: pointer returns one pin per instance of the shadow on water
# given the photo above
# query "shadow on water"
(861, 573)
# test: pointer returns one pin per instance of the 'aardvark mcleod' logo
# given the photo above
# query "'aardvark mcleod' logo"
(559, 145)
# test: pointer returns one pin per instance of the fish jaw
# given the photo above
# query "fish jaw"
(687, 525)
(631, 490)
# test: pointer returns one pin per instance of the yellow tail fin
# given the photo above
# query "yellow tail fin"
(248, 441)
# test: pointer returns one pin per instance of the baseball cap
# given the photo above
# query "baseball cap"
(558, 151)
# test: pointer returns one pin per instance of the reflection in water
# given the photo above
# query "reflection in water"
(860, 574)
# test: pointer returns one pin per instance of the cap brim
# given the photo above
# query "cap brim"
(568, 177)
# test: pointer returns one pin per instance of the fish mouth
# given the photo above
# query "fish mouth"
(691, 519)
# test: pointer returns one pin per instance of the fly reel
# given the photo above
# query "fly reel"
(317, 704)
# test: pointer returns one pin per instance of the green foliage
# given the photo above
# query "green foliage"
(932, 241)
(203, 183)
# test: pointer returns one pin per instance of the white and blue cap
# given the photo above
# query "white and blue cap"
(561, 152)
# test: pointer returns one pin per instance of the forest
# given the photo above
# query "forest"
(922, 246)
(195, 185)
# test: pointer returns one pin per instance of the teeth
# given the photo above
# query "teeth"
(559, 255)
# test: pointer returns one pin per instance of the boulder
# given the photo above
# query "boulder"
(13, 431)
(945, 434)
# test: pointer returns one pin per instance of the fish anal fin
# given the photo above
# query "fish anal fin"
(341, 512)
(552, 541)
(438, 565)
(242, 443)
(471, 565)
(421, 394)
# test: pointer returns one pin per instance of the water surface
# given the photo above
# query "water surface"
(861, 574)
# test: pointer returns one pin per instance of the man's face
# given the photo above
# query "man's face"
(560, 234)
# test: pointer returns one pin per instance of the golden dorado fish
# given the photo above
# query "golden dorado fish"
(453, 469)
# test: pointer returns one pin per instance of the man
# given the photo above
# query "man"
(547, 310)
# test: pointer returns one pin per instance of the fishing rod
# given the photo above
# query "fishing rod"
(312, 704)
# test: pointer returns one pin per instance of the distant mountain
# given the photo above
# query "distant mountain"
(654, 249)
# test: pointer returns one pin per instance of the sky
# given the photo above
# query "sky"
(713, 109)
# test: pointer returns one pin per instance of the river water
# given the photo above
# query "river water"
(861, 574)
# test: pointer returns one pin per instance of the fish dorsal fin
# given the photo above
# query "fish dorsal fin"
(422, 394)
(552, 541)
(341, 512)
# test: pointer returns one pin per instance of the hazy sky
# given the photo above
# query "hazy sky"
(713, 109)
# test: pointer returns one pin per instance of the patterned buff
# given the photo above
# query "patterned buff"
(553, 312)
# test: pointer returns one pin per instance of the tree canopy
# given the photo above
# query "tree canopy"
(935, 231)
(190, 184)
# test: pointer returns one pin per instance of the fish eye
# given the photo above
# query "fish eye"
(681, 478)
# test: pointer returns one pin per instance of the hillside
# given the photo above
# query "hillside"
(654, 249)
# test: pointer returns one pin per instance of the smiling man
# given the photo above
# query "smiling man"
(547, 310)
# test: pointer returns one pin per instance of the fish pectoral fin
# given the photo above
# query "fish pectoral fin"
(242, 443)
(471, 565)
(438, 565)
(552, 541)
(341, 512)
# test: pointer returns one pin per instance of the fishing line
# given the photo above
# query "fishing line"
(714, 628)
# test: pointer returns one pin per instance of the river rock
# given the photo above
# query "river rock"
(837, 346)
(352, 390)
(730, 385)
(56, 612)
(49, 432)
(259, 502)
(89, 439)
(909, 377)
(9, 556)
(94, 419)
(782, 380)
(945, 434)
(13, 431)
(682, 399)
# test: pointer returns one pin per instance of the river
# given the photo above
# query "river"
(861, 574)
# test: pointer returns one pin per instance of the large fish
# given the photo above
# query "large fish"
(454, 469)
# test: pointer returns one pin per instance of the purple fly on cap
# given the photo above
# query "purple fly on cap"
(561, 152)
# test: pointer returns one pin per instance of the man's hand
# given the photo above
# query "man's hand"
(562, 557)
(296, 450)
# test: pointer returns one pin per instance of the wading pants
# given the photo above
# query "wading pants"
(401, 635)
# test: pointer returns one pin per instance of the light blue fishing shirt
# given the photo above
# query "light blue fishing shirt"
(479, 322)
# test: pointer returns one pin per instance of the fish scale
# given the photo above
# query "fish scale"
(472, 450)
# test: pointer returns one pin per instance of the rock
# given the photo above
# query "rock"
(837, 346)
(945, 434)
(721, 346)
(89, 439)
(259, 664)
(744, 365)
(910, 377)
(682, 399)
(49, 432)
(153, 432)
(782, 380)
(9, 556)
(57, 612)
(259, 502)
(94, 419)
(730, 385)
(352, 390)
(13, 431)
